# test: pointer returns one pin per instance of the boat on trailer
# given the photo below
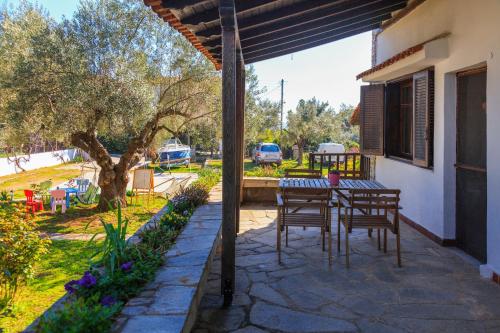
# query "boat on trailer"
(174, 153)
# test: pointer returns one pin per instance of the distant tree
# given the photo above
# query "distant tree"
(309, 124)
(338, 129)
(206, 133)
(262, 116)
(113, 69)
(314, 122)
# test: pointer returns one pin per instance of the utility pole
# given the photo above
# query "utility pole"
(281, 109)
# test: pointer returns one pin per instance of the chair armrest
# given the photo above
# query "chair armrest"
(279, 199)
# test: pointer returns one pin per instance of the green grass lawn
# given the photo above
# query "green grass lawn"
(66, 260)
(21, 181)
(77, 218)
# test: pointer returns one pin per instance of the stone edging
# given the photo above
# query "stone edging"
(185, 270)
(170, 302)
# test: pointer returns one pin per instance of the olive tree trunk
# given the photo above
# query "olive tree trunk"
(300, 146)
(114, 177)
(113, 183)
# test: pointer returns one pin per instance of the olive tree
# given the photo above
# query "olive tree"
(309, 123)
(113, 68)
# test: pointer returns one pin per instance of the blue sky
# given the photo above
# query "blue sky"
(326, 72)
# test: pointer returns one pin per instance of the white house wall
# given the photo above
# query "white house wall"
(428, 195)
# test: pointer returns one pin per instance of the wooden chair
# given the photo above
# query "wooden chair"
(370, 209)
(143, 183)
(302, 173)
(32, 204)
(58, 198)
(317, 214)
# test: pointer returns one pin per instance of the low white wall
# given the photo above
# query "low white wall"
(37, 161)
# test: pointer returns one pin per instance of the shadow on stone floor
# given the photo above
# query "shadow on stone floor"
(434, 291)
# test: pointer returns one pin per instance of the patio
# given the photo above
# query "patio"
(436, 290)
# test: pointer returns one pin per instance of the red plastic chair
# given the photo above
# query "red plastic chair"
(32, 204)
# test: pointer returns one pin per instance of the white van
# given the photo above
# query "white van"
(330, 148)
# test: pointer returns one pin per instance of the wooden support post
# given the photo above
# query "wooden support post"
(242, 132)
(240, 128)
(229, 141)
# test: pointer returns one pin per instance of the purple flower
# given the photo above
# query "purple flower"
(87, 280)
(108, 300)
(126, 266)
(70, 286)
(185, 213)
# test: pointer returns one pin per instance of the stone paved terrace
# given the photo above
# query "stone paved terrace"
(435, 291)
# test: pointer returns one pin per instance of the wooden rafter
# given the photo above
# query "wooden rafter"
(276, 53)
(307, 37)
(273, 17)
(212, 15)
(307, 23)
(179, 4)
(270, 28)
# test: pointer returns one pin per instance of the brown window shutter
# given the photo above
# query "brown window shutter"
(423, 121)
(371, 120)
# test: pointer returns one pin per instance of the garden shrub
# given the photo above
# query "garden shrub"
(124, 268)
(21, 247)
(197, 193)
(157, 238)
(208, 178)
(81, 315)
(4, 196)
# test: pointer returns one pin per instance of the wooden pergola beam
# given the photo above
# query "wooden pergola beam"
(268, 54)
(212, 15)
(180, 4)
(287, 29)
(294, 10)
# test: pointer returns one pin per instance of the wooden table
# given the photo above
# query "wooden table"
(318, 185)
(307, 184)
(350, 184)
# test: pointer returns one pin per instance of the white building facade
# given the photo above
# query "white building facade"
(457, 43)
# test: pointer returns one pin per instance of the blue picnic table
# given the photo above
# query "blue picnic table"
(69, 191)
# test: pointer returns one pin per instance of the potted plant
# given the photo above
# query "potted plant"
(334, 177)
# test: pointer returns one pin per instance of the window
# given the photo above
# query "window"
(399, 130)
(270, 149)
(397, 119)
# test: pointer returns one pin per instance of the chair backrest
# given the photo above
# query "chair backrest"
(83, 184)
(302, 173)
(29, 195)
(310, 199)
(374, 201)
(58, 194)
